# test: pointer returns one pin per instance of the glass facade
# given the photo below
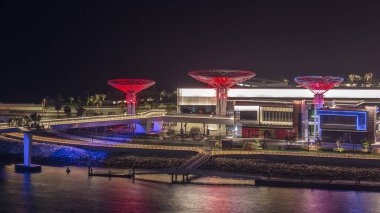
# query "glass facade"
(248, 115)
(198, 109)
(277, 116)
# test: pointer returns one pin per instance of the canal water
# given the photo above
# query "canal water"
(55, 191)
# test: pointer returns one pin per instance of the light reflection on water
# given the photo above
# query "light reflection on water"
(53, 190)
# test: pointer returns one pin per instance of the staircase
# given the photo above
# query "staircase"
(186, 168)
(192, 164)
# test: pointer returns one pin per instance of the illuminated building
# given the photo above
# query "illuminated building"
(287, 111)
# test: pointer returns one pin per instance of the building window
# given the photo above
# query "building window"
(333, 119)
(277, 116)
(248, 115)
(197, 109)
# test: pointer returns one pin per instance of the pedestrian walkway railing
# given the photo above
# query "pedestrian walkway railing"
(289, 153)
(47, 124)
(145, 115)
(64, 141)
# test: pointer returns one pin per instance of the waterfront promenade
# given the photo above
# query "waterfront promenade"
(18, 137)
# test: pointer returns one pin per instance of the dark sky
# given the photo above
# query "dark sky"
(67, 47)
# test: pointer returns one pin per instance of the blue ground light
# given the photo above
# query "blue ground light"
(76, 156)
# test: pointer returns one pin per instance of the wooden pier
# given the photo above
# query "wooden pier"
(129, 175)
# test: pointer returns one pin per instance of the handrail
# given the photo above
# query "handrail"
(149, 114)
(309, 154)
(156, 113)
(4, 125)
(186, 148)
(110, 145)
(104, 116)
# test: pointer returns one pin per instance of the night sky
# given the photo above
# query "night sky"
(69, 47)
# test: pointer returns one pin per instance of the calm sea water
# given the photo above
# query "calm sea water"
(55, 191)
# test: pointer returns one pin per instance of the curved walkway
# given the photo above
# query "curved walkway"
(18, 137)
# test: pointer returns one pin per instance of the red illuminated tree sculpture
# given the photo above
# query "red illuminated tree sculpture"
(221, 80)
(318, 85)
(131, 87)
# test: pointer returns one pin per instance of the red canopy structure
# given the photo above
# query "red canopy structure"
(318, 85)
(221, 80)
(131, 87)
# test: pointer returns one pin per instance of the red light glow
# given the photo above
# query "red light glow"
(131, 87)
(221, 80)
(318, 85)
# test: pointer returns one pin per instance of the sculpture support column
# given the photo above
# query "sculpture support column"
(221, 101)
(318, 104)
(148, 126)
(27, 149)
(315, 120)
(27, 166)
(300, 119)
(130, 99)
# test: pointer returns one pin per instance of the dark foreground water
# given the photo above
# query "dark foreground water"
(55, 191)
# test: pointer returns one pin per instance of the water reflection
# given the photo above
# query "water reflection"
(53, 190)
(26, 189)
(2, 173)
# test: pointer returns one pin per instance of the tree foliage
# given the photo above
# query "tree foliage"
(58, 104)
(67, 111)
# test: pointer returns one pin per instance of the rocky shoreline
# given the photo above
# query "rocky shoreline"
(50, 154)
(292, 170)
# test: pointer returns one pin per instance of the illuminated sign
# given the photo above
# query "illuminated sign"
(361, 116)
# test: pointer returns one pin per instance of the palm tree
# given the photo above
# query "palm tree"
(102, 97)
(35, 119)
(97, 101)
(26, 121)
(58, 104)
(71, 99)
(67, 111)
(121, 104)
(30, 121)
(79, 107)
(353, 78)
(79, 101)
(368, 77)
(90, 100)
(80, 110)
(17, 122)
(50, 103)
(162, 95)
(44, 104)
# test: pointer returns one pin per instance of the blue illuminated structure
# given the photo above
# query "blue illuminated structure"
(361, 116)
